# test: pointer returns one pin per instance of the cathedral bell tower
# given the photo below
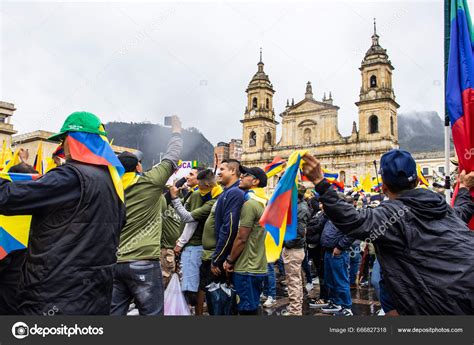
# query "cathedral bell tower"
(259, 125)
(377, 105)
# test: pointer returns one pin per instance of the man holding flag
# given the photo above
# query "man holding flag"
(77, 213)
(423, 246)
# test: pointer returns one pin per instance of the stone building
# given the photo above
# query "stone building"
(6, 128)
(312, 124)
(232, 150)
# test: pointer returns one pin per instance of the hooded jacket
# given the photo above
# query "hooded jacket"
(424, 247)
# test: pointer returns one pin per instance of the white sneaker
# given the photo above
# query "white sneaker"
(269, 302)
(316, 280)
(344, 312)
(263, 297)
(331, 308)
(309, 287)
(381, 312)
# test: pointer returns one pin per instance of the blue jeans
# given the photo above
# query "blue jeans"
(355, 259)
(141, 281)
(336, 276)
(269, 284)
(281, 266)
(248, 287)
(190, 266)
(306, 267)
(375, 278)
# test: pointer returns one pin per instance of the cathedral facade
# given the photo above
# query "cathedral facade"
(311, 124)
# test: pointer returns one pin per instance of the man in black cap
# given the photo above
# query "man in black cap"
(247, 258)
(422, 244)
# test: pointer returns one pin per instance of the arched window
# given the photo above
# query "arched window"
(373, 124)
(268, 103)
(253, 139)
(268, 138)
(254, 103)
(307, 136)
(342, 176)
(373, 81)
(392, 129)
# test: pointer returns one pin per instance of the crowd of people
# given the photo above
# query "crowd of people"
(92, 253)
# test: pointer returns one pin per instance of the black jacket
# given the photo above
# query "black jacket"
(75, 228)
(425, 249)
(332, 237)
(315, 228)
(303, 218)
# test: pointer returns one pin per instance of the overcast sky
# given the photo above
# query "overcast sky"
(138, 62)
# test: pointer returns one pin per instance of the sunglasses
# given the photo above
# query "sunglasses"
(247, 174)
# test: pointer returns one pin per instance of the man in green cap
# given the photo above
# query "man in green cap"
(77, 213)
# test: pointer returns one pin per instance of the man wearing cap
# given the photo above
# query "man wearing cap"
(77, 215)
(423, 246)
(138, 272)
(247, 259)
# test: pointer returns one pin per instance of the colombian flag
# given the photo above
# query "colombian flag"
(460, 86)
(332, 177)
(422, 177)
(95, 149)
(38, 165)
(275, 167)
(14, 230)
(367, 184)
(280, 216)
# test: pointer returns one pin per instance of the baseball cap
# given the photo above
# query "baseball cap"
(129, 160)
(398, 168)
(79, 121)
(257, 172)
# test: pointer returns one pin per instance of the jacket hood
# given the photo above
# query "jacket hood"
(424, 203)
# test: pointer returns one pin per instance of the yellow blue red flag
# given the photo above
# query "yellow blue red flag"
(280, 216)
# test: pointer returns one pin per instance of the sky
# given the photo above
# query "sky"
(141, 61)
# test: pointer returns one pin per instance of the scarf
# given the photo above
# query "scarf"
(129, 179)
(257, 194)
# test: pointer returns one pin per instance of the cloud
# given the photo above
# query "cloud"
(142, 61)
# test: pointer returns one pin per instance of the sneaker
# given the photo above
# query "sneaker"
(317, 303)
(381, 312)
(263, 297)
(269, 302)
(316, 280)
(285, 312)
(364, 284)
(331, 308)
(344, 312)
(309, 287)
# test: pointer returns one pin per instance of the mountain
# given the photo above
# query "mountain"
(421, 131)
(153, 139)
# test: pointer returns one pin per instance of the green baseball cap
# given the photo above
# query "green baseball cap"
(79, 121)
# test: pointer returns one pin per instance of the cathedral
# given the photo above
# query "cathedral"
(311, 124)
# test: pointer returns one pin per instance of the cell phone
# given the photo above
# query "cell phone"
(168, 120)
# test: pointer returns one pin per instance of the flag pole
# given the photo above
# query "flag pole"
(447, 129)
(376, 174)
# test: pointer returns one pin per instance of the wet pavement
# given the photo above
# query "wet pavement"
(364, 302)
